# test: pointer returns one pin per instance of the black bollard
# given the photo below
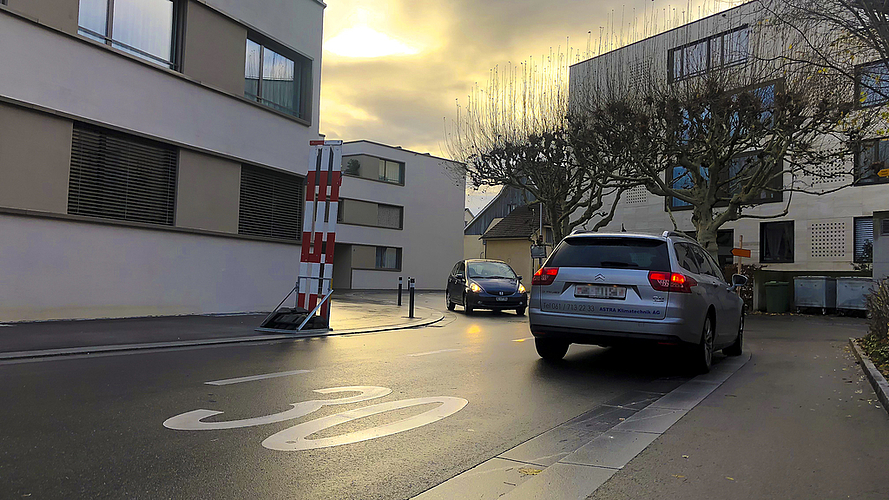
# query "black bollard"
(410, 285)
(399, 291)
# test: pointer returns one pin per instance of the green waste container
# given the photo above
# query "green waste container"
(777, 296)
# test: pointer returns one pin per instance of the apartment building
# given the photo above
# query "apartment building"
(152, 154)
(399, 215)
(820, 235)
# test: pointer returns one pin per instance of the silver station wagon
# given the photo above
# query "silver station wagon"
(608, 289)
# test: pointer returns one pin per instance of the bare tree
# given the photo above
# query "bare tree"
(751, 127)
(858, 45)
(516, 133)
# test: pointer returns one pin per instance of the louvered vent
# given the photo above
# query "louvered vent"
(271, 204)
(114, 176)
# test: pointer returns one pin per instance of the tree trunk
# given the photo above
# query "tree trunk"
(707, 230)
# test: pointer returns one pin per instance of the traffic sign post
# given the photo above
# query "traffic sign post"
(740, 253)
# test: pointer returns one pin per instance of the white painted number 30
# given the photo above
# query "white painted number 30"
(296, 438)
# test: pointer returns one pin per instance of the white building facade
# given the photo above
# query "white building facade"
(820, 235)
(152, 154)
(400, 214)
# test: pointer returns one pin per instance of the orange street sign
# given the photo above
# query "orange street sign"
(884, 172)
(740, 252)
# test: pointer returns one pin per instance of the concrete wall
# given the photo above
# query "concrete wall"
(61, 269)
(432, 237)
(60, 14)
(35, 158)
(516, 253)
(473, 247)
(214, 49)
(61, 73)
(207, 193)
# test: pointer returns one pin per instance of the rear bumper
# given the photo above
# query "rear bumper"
(579, 329)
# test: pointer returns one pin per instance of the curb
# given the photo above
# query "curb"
(877, 381)
(71, 351)
(579, 472)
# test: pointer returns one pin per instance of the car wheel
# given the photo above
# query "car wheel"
(448, 301)
(551, 350)
(467, 309)
(702, 354)
(520, 311)
(738, 346)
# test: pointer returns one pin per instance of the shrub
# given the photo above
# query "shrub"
(876, 342)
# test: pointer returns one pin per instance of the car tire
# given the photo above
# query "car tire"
(738, 346)
(520, 311)
(448, 301)
(551, 350)
(467, 309)
(702, 354)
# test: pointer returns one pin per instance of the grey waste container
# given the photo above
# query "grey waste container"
(815, 291)
(851, 293)
(777, 296)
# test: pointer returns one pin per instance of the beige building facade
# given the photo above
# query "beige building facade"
(153, 164)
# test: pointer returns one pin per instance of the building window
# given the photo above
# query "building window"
(277, 77)
(371, 167)
(271, 204)
(776, 242)
(864, 239)
(368, 213)
(388, 258)
(726, 49)
(144, 28)
(871, 161)
(116, 176)
(872, 83)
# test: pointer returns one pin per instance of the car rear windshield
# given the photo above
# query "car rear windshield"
(614, 253)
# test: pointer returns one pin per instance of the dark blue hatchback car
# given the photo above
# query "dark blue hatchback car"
(485, 284)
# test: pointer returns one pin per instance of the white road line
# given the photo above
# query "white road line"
(433, 352)
(256, 377)
(522, 340)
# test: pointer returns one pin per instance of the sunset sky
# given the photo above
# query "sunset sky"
(394, 70)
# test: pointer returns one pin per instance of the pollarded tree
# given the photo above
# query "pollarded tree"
(725, 127)
(516, 133)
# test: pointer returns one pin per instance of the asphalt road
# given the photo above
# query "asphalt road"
(93, 426)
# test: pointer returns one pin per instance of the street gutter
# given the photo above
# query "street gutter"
(881, 387)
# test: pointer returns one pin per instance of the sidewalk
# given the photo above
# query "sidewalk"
(351, 312)
(798, 421)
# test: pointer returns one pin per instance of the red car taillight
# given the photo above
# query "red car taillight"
(671, 282)
(545, 276)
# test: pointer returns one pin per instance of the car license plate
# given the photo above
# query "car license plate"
(601, 292)
(501, 299)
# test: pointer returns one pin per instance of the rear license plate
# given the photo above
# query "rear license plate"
(601, 292)
(501, 299)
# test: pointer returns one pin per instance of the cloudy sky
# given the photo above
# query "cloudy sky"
(393, 71)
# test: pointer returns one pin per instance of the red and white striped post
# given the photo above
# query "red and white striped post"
(319, 224)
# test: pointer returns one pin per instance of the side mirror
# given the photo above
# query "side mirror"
(520, 278)
(738, 280)
(459, 276)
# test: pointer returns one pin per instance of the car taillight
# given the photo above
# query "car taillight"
(545, 276)
(671, 282)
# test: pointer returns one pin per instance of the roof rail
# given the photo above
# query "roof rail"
(675, 234)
